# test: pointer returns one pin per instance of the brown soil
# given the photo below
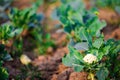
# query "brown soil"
(51, 65)
(13, 68)
(21, 3)
(78, 76)
(109, 15)
(115, 33)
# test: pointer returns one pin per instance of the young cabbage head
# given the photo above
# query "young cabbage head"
(25, 59)
(90, 58)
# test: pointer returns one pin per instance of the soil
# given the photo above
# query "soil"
(114, 33)
(50, 65)
(110, 16)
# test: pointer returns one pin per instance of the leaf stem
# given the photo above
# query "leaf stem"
(91, 76)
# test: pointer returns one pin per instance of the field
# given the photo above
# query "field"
(59, 40)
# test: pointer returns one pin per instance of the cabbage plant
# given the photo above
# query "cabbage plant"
(88, 51)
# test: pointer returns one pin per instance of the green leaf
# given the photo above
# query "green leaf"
(81, 32)
(83, 35)
(8, 57)
(16, 32)
(81, 46)
(94, 52)
(75, 53)
(36, 4)
(47, 36)
(117, 8)
(68, 60)
(106, 49)
(5, 30)
(98, 43)
(3, 74)
(2, 47)
(78, 68)
(73, 57)
(95, 26)
(102, 74)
